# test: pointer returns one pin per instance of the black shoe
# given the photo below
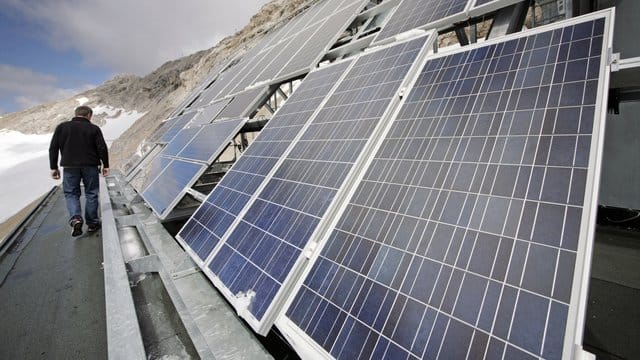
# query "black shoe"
(76, 224)
(93, 227)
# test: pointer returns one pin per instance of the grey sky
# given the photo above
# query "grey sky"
(137, 36)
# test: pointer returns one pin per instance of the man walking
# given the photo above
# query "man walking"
(83, 151)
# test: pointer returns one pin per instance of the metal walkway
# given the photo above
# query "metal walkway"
(52, 290)
(126, 292)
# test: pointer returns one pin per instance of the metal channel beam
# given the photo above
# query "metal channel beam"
(124, 339)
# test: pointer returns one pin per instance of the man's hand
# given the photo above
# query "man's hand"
(105, 171)
(55, 174)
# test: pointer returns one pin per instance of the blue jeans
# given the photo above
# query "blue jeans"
(71, 177)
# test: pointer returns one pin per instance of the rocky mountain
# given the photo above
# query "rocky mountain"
(158, 93)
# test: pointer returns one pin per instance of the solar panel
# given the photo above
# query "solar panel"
(425, 14)
(317, 43)
(301, 44)
(179, 141)
(210, 112)
(312, 15)
(211, 140)
(169, 186)
(178, 124)
(260, 252)
(214, 217)
(218, 89)
(192, 100)
(229, 79)
(252, 68)
(469, 234)
(199, 144)
(334, 6)
(481, 7)
(206, 97)
(160, 130)
(277, 58)
(149, 173)
(243, 103)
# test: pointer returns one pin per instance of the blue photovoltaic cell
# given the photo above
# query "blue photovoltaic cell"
(412, 14)
(211, 140)
(180, 140)
(262, 249)
(199, 143)
(204, 229)
(178, 124)
(168, 186)
(150, 172)
(461, 240)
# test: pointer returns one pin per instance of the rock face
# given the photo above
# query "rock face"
(158, 93)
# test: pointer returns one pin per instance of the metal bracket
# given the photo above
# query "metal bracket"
(614, 60)
(196, 194)
(311, 248)
(186, 272)
(580, 354)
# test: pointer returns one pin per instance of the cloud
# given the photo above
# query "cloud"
(27, 88)
(136, 36)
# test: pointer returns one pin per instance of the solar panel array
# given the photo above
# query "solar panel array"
(169, 128)
(411, 14)
(462, 238)
(193, 100)
(209, 223)
(287, 52)
(260, 251)
(190, 152)
(211, 140)
(149, 173)
(453, 224)
(298, 45)
(169, 186)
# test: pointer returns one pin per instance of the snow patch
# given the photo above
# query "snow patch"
(81, 101)
(118, 121)
(24, 161)
(16, 147)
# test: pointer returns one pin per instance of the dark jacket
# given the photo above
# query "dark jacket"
(81, 144)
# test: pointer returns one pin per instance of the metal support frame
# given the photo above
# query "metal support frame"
(509, 20)
(124, 339)
(461, 34)
(253, 126)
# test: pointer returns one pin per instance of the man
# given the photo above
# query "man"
(83, 151)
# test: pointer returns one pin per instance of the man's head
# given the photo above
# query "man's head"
(84, 111)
